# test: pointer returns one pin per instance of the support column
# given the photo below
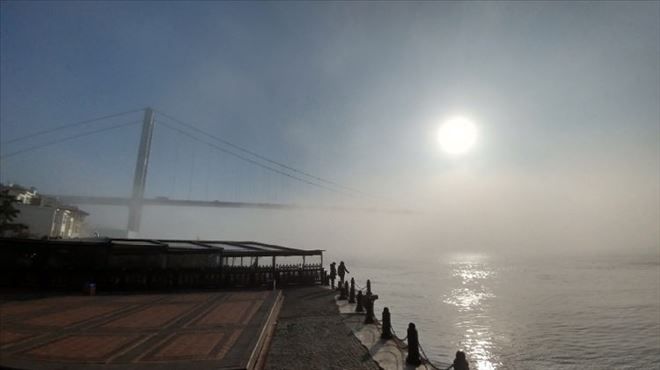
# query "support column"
(140, 178)
(274, 274)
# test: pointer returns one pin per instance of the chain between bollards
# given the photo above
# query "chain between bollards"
(397, 336)
(365, 301)
(427, 359)
(423, 356)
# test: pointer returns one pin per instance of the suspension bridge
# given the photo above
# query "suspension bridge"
(153, 119)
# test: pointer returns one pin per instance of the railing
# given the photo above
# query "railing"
(139, 264)
(120, 279)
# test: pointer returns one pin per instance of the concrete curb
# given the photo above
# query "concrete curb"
(260, 353)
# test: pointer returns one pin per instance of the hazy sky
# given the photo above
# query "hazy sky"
(565, 96)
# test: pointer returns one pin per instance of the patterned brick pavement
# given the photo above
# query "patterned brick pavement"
(150, 317)
(72, 316)
(81, 348)
(201, 330)
(239, 312)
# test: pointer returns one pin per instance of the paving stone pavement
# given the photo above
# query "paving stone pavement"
(209, 330)
(311, 334)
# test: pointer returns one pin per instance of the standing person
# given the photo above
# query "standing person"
(333, 274)
(342, 271)
(460, 362)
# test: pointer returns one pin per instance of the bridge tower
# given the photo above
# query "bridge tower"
(140, 177)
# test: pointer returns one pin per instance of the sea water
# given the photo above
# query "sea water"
(536, 313)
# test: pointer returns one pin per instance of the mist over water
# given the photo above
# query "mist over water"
(526, 313)
(523, 305)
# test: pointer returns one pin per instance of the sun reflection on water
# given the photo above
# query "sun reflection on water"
(471, 301)
(467, 299)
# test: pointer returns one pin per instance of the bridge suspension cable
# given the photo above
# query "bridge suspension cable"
(312, 179)
(263, 158)
(70, 125)
(49, 143)
(252, 161)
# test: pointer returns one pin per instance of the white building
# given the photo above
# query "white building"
(45, 216)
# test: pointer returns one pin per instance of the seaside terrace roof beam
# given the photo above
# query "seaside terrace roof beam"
(263, 249)
(226, 247)
(273, 246)
(156, 246)
(207, 245)
(139, 246)
(243, 246)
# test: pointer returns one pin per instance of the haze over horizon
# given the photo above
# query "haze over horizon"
(565, 97)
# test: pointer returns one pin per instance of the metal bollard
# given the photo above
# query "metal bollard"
(343, 292)
(387, 325)
(89, 288)
(369, 303)
(413, 357)
(360, 299)
(351, 295)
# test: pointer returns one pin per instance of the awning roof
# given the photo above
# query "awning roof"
(151, 246)
(227, 248)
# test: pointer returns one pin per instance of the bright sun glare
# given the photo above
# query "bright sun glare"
(457, 135)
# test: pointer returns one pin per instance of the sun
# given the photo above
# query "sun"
(457, 135)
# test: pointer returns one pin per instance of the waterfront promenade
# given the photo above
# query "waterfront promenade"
(204, 330)
(311, 334)
(317, 331)
(296, 328)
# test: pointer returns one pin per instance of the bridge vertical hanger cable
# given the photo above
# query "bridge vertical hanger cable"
(206, 174)
(177, 179)
(233, 175)
(269, 186)
(192, 171)
(264, 186)
(219, 173)
(256, 163)
(261, 157)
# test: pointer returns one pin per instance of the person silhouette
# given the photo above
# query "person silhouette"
(333, 274)
(342, 272)
(460, 362)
